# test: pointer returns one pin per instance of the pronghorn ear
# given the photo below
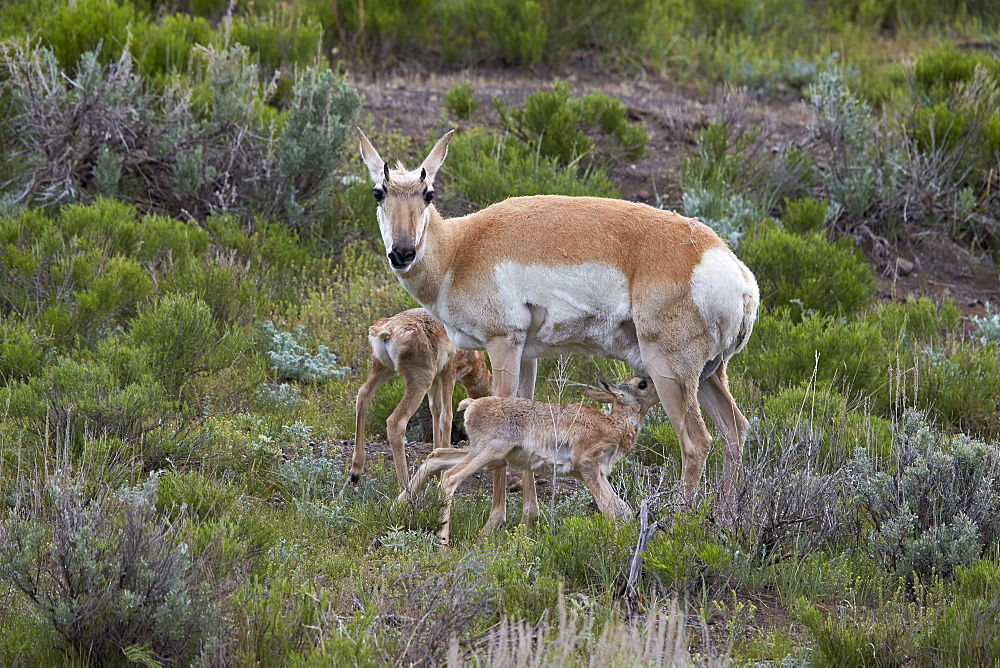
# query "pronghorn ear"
(605, 395)
(373, 161)
(436, 157)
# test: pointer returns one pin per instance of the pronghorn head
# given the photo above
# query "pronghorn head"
(404, 199)
(633, 391)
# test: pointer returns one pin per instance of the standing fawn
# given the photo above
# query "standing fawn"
(540, 276)
(414, 345)
(572, 441)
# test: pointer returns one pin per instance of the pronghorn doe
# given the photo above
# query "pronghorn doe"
(414, 345)
(539, 276)
(574, 441)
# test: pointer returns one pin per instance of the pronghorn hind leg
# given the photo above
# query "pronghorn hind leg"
(439, 460)
(417, 385)
(714, 396)
(678, 394)
(377, 377)
(435, 402)
(450, 480)
(447, 378)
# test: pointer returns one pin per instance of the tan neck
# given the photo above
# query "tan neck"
(438, 245)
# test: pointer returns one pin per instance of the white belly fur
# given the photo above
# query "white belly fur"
(582, 308)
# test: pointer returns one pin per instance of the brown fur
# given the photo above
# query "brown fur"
(430, 365)
(574, 440)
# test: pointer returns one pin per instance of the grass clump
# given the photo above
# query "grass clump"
(461, 100)
(569, 129)
(487, 168)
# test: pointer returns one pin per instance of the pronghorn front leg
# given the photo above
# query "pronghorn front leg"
(505, 357)
(529, 496)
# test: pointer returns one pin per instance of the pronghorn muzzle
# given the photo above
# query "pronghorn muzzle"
(402, 256)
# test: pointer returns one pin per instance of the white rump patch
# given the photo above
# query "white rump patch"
(719, 288)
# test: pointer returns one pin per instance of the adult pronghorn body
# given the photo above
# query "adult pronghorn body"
(415, 346)
(571, 441)
(539, 276)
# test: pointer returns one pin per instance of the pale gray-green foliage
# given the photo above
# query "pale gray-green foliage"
(310, 478)
(293, 361)
(311, 483)
(176, 150)
(987, 326)
(407, 542)
(729, 215)
(846, 125)
(280, 397)
(314, 135)
(937, 508)
(107, 572)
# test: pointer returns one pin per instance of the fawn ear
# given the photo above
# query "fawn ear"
(606, 395)
(377, 168)
(432, 163)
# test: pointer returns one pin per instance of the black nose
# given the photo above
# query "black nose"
(401, 256)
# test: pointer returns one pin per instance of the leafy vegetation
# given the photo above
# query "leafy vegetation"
(187, 274)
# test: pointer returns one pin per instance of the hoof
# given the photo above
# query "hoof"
(355, 478)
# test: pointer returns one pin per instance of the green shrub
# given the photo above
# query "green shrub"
(805, 215)
(937, 71)
(485, 169)
(112, 393)
(937, 509)
(183, 340)
(588, 551)
(786, 350)
(279, 42)
(109, 575)
(86, 26)
(276, 619)
(824, 416)
(685, 557)
(960, 387)
(165, 47)
(512, 32)
(21, 355)
(526, 590)
(461, 100)
(952, 624)
(916, 322)
(567, 129)
(817, 276)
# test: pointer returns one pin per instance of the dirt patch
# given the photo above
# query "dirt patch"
(943, 270)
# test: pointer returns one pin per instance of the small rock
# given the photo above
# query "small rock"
(904, 267)
(642, 195)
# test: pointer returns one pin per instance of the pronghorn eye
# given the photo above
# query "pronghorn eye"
(642, 385)
(379, 194)
(428, 196)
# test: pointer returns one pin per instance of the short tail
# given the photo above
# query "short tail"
(465, 403)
